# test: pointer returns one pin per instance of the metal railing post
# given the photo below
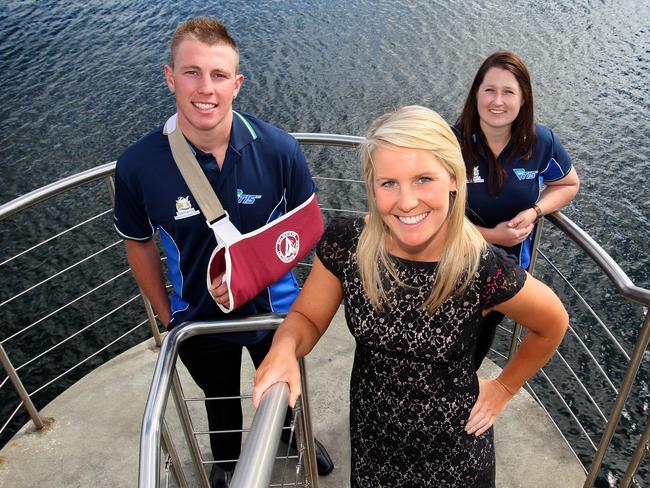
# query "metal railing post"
(188, 431)
(168, 445)
(641, 451)
(305, 426)
(20, 389)
(619, 404)
(516, 331)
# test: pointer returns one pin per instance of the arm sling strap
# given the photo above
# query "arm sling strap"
(253, 261)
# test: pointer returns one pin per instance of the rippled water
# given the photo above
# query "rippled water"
(81, 81)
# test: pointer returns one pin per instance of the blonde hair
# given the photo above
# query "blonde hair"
(416, 127)
(205, 30)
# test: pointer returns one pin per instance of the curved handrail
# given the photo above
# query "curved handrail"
(613, 271)
(39, 195)
(608, 266)
(310, 138)
(255, 465)
(48, 191)
(148, 476)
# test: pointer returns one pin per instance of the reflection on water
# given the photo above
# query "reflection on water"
(81, 81)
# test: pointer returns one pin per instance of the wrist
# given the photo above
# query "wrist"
(538, 211)
(508, 389)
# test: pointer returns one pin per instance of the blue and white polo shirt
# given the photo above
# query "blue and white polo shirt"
(522, 188)
(264, 175)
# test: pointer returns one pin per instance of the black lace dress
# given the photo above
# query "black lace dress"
(413, 381)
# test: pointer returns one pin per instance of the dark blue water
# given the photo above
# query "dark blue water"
(82, 80)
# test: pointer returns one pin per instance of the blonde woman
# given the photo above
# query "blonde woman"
(416, 278)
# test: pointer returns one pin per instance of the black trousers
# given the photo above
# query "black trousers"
(215, 366)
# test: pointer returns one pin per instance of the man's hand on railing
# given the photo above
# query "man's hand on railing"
(279, 366)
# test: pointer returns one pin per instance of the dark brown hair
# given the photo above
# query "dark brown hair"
(523, 128)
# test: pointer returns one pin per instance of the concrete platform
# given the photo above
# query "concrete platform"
(94, 438)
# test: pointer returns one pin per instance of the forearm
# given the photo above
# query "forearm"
(557, 195)
(555, 198)
(488, 234)
(533, 353)
(144, 261)
(538, 309)
(297, 335)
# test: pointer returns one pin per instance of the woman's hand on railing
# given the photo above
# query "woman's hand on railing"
(491, 402)
(279, 366)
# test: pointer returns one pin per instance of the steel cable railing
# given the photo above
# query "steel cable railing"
(59, 273)
(600, 322)
(66, 305)
(56, 236)
(626, 288)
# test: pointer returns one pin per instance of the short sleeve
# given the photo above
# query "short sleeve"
(300, 185)
(559, 163)
(503, 278)
(336, 245)
(129, 216)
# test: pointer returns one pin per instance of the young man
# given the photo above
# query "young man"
(258, 173)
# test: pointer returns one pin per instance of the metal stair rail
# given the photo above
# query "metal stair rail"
(256, 463)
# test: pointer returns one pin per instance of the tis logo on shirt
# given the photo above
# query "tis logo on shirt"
(522, 174)
(245, 199)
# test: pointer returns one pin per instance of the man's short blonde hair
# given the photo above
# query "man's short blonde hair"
(205, 30)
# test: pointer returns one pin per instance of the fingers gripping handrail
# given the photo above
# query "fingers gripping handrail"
(148, 476)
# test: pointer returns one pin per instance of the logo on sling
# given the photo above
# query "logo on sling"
(287, 246)
(184, 208)
(245, 199)
(522, 174)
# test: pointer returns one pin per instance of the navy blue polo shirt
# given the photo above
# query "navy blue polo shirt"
(522, 188)
(264, 175)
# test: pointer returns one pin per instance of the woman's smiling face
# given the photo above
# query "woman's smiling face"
(411, 188)
(499, 99)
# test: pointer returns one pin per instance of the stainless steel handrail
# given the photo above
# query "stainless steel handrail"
(148, 476)
(53, 189)
(610, 267)
(255, 467)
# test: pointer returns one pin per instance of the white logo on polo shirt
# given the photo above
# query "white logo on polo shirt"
(476, 177)
(184, 208)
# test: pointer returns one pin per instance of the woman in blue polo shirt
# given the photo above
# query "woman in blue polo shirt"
(517, 170)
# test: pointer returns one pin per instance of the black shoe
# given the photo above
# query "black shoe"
(219, 477)
(324, 463)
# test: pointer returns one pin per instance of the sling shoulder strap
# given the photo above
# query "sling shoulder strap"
(192, 173)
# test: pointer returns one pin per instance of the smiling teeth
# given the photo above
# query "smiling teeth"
(204, 106)
(412, 220)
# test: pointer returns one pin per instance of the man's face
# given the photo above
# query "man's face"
(205, 81)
